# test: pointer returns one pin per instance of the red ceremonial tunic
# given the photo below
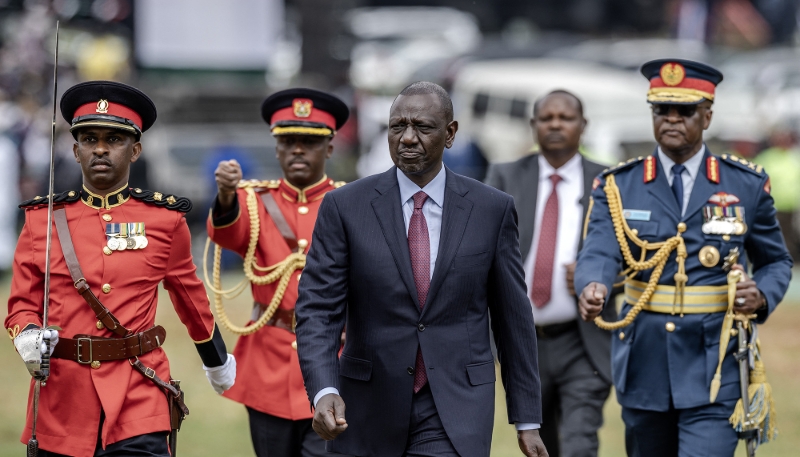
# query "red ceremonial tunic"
(268, 377)
(72, 400)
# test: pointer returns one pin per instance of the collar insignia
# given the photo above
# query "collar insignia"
(712, 169)
(649, 169)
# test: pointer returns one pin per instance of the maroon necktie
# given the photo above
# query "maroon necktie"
(419, 247)
(546, 250)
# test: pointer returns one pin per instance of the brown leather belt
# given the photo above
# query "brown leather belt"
(283, 318)
(86, 349)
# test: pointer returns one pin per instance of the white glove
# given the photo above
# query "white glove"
(223, 376)
(31, 346)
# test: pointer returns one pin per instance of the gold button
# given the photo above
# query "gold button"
(107, 217)
(734, 332)
(95, 364)
(106, 288)
(107, 250)
(726, 237)
(303, 210)
(634, 231)
(621, 336)
(302, 243)
(100, 325)
(670, 327)
(681, 227)
(294, 345)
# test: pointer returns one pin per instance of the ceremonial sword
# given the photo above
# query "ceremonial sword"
(33, 443)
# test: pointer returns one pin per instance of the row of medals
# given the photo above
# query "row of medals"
(724, 221)
(126, 236)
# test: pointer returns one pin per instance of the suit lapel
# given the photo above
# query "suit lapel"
(702, 189)
(455, 215)
(526, 203)
(390, 216)
(661, 191)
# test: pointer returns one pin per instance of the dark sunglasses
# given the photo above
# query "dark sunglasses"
(683, 110)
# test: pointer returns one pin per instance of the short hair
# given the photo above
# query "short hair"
(558, 92)
(424, 88)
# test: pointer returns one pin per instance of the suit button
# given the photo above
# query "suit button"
(621, 336)
(95, 364)
(99, 325)
(421, 327)
(303, 210)
(410, 370)
(107, 250)
(107, 217)
(670, 326)
(106, 288)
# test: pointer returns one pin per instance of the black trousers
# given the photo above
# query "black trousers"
(573, 394)
(149, 445)
(426, 434)
(276, 437)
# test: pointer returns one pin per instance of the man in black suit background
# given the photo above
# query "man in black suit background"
(413, 261)
(574, 356)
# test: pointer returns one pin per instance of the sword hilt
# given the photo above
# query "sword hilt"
(33, 447)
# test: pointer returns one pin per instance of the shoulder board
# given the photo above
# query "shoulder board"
(743, 164)
(255, 183)
(172, 202)
(622, 165)
(68, 196)
(338, 184)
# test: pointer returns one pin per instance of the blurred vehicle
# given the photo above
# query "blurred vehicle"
(393, 42)
(494, 103)
(630, 54)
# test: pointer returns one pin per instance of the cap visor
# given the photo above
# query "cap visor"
(111, 125)
(297, 130)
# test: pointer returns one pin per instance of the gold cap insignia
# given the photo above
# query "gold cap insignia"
(302, 107)
(672, 74)
(102, 106)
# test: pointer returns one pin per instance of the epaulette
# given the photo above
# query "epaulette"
(255, 183)
(172, 202)
(68, 196)
(338, 184)
(743, 164)
(622, 165)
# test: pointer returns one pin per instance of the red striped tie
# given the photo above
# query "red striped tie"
(420, 249)
(546, 249)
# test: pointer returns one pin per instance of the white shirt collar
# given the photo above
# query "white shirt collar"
(692, 165)
(434, 189)
(570, 171)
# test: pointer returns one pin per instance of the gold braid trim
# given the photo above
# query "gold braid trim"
(657, 262)
(281, 272)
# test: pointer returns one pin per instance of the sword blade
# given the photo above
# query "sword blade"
(48, 246)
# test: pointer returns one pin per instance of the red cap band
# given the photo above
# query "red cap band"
(112, 109)
(314, 114)
(687, 83)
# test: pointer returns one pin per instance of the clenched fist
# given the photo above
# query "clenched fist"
(228, 174)
(591, 301)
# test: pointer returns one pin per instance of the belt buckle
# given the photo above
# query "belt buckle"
(87, 362)
(149, 372)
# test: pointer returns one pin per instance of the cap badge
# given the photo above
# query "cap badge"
(102, 106)
(672, 74)
(302, 107)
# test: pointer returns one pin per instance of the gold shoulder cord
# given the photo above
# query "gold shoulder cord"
(281, 271)
(657, 261)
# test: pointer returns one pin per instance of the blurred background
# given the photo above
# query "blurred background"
(208, 65)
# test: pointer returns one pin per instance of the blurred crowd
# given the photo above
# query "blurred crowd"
(493, 64)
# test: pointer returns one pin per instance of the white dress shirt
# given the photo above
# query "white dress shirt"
(561, 307)
(432, 210)
(688, 176)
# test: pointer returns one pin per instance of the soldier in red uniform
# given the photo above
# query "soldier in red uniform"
(269, 223)
(106, 392)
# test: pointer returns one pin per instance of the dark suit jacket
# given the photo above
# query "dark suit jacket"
(520, 179)
(358, 273)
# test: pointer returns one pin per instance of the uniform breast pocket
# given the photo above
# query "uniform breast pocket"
(644, 229)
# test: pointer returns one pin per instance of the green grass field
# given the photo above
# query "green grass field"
(217, 426)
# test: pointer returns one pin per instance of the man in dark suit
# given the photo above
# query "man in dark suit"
(413, 260)
(574, 356)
